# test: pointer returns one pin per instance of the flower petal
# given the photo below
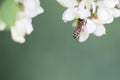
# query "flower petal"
(20, 29)
(100, 30)
(31, 8)
(16, 37)
(34, 13)
(84, 13)
(115, 12)
(91, 27)
(93, 7)
(68, 15)
(109, 4)
(104, 15)
(28, 26)
(68, 3)
(83, 36)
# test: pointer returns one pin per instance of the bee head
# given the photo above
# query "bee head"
(80, 19)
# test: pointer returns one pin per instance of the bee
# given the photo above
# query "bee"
(80, 23)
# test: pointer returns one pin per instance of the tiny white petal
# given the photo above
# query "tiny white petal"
(100, 3)
(109, 4)
(27, 23)
(40, 10)
(83, 36)
(115, 12)
(84, 13)
(100, 30)
(34, 13)
(68, 3)
(82, 4)
(116, 1)
(68, 15)
(16, 37)
(93, 7)
(84, 8)
(104, 15)
(31, 8)
(91, 27)
(24, 25)
(20, 29)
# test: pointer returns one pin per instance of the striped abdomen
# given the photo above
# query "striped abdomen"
(76, 32)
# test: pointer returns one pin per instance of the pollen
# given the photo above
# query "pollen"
(77, 17)
(95, 16)
(78, 1)
(21, 6)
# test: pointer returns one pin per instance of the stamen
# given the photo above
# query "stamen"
(94, 15)
(78, 1)
(21, 6)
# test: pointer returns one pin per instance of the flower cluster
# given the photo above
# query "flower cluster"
(28, 9)
(95, 12)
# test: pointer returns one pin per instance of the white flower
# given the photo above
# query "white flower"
(23, 24)
(91, 28)
(88, 29)
(83, 10)
(106, 11)
(31, 8)
(103, 16)
(21, 28)
(74, 9)
(69, 15)
(100, 30)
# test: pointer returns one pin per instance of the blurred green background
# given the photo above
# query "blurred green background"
(51, 53)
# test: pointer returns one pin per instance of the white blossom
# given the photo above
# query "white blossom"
(91, 28)
(100, 30)
(28, 9)
(23, 25)
(95, 12)
(106, 11)
(21, 28)
(87, 29)
(31, 8)
(74, 9)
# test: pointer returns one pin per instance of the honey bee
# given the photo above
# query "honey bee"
(80, 23)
